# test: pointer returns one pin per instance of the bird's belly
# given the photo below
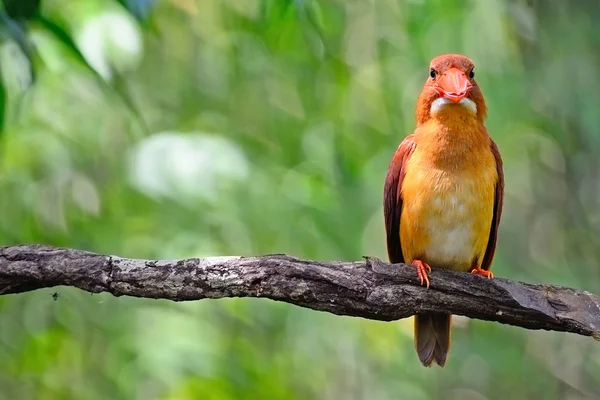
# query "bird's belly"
(451, 241)
(447, 224)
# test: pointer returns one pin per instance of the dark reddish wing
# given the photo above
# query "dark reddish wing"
(498, 202)
(392, 198)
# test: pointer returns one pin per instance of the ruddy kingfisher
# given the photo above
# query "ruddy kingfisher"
(444, 190)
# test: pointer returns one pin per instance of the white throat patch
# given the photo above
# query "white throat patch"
(440, 102)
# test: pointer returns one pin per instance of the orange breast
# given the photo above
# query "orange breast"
(448, 207)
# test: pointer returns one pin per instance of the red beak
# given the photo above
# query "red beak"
(453, 85)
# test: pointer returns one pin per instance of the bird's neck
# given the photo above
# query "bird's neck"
(452, 139)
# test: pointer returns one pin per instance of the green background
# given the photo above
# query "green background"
(189, 128)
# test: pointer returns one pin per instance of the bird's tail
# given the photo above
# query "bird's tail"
(432, 337)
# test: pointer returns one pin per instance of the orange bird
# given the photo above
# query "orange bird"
(444, 191)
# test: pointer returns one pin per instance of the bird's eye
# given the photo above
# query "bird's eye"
(432, 74)
(472, 74)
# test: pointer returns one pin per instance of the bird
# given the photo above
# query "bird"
(444, 191)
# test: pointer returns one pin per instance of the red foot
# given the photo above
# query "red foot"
(482, 272)
(422, 270)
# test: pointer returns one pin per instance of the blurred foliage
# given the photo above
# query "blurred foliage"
(193, 128)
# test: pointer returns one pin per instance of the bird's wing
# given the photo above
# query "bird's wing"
(392, 198)
(498, 202)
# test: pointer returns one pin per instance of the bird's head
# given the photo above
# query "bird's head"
(451, 88)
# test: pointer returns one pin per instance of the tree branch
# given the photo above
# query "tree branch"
(370, 288)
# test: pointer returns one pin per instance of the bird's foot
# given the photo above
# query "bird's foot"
(482, 272)
(422, 270)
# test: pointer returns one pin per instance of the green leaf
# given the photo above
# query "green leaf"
(62, 36)
(118, 88)
(21, 9)
(310, 11)
(274, 9)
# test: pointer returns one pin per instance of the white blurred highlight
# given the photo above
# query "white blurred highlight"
(186, 165)
(111, 40)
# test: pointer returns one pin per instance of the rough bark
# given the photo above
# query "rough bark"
(369, 289)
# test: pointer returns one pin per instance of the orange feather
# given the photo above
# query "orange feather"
(444, 191)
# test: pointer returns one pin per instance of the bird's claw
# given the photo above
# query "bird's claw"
(422, 270)
(482, 272)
